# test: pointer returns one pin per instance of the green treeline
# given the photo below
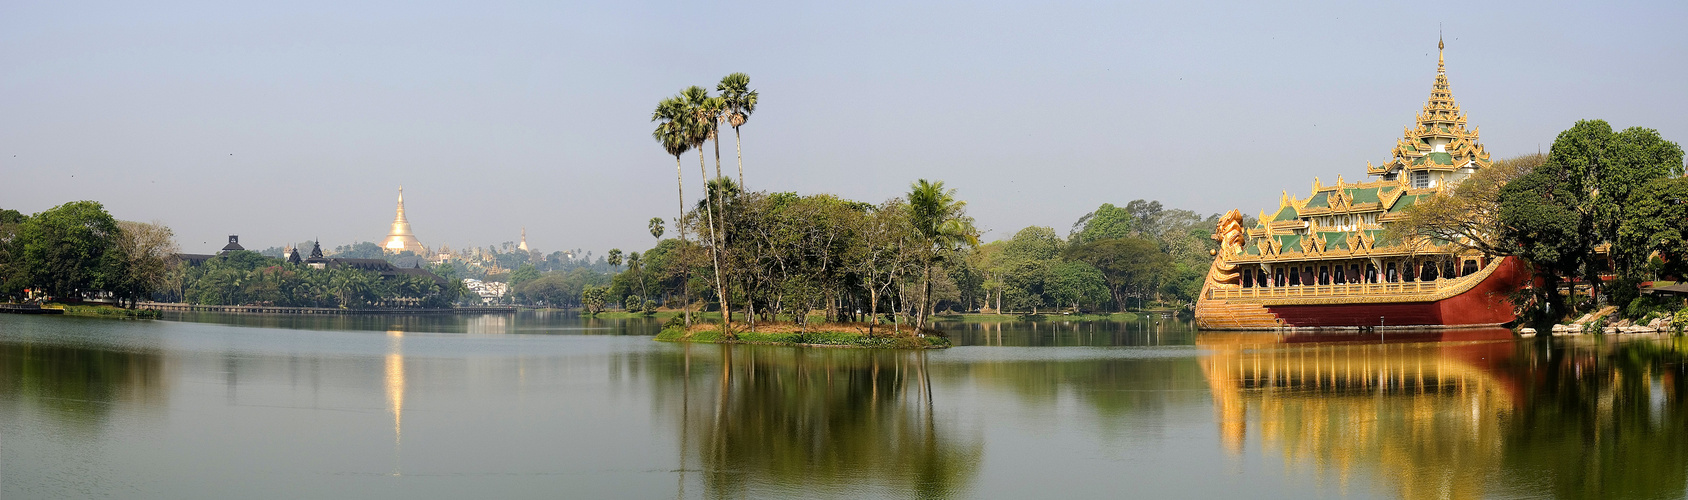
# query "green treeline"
(790, 255)
(768, 255)
(78, 251)
(243, 277)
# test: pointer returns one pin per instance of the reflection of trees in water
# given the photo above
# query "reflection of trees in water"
(1467, 419)
(523, 321)
(1605, 419)
(784, 420)
(1116, 389)
(80, 385)
(1056, 332)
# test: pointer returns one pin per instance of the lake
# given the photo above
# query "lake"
(548, 405)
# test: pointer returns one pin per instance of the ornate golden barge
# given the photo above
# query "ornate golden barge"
(1327, 261)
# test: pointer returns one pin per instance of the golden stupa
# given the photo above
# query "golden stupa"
(400, 240)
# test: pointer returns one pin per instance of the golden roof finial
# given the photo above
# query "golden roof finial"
(1441, 65)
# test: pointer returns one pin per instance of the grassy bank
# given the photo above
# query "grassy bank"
(1005, 318)
(104, 311)
(709, 316)
(829, 335)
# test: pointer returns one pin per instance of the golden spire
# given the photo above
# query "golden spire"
(400, 239)
(1441, 65)
(400, 218)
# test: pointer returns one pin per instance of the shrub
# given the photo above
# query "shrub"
(1647, 305)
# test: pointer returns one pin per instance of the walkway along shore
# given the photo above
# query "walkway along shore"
(179, 307)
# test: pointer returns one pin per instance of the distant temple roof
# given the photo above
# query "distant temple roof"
(234, 244)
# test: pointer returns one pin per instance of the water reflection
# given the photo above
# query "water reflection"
(79, 386)
(1461, 417)
(830, 422)
(395, 393)
(1055, 332)
(528, 321)
(1123, 409)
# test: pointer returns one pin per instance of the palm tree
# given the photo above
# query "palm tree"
(657, 227)
(942, 224)
(739, 102)
(638, 270)
(702, 120)
(674, 135)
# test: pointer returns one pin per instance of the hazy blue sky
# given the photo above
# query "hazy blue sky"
(284, 121)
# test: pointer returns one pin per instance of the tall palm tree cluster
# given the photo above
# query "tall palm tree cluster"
(689, 120)
(775, 254)
(785, 256)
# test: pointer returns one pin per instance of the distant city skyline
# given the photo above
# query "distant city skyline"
(289, 122)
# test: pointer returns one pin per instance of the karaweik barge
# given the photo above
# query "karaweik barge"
(1325, 261)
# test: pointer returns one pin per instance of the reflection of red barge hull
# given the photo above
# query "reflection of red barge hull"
(1480, 299)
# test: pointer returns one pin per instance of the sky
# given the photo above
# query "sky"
(290, 121)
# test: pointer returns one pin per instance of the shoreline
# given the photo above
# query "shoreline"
(711, 334)
(308, 311)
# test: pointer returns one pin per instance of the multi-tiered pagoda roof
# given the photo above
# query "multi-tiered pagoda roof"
(1438, 141)
(1346, 219)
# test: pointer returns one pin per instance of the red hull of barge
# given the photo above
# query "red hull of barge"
(1488, 303)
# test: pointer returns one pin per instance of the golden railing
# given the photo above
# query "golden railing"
(1349, 290)
(1397, 289)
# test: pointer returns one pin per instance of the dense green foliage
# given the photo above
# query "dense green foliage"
(77, 251)
(789, 256)
(1622, 191)
(243, 277)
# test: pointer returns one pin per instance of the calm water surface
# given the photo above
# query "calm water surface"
(537, 405)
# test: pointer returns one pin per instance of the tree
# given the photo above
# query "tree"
(1468, 214)
(703, 114)
(675, 137)
(882, 252)
(1128, 264)
(522, 274)
(739, 101)
(941, 223)
(1593, 189)
(593, 298)
(1034, 243)
(71, 249)
(1659, 220)
(360, 250)
(12, 276)
(656, 225)
(615, 257)
(145, 250)
(554, 289)
(1146, 216)
(1024, 284)
(1072, 283)
(1539, 219)
(1636, 157)
(1106, 222)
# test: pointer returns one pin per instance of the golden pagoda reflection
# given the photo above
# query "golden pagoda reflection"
(395, 390)
(1425, 413)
